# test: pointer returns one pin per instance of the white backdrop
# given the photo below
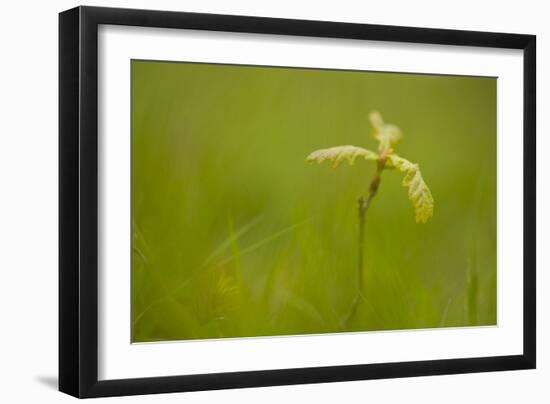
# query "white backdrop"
(28, 206)
(119, 359)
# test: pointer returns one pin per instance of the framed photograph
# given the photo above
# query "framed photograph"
(250, 201)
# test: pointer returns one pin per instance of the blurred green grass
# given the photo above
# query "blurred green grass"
(235, 235)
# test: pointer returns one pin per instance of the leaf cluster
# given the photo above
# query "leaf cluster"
(388, 136)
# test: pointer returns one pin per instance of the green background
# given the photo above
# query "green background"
(235, 235)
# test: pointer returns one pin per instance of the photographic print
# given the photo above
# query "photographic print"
(270, 201)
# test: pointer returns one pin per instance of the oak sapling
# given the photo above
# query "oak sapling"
(388, 136)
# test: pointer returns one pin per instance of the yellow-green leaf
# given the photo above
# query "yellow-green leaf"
(419, 193)
(340, 153)
(387, 134)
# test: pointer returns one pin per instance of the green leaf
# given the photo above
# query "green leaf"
(419, 193)
(340, 153)
(388, 135)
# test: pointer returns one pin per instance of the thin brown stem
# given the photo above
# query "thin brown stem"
(362, 207)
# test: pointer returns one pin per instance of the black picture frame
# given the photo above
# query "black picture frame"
(78, 201)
